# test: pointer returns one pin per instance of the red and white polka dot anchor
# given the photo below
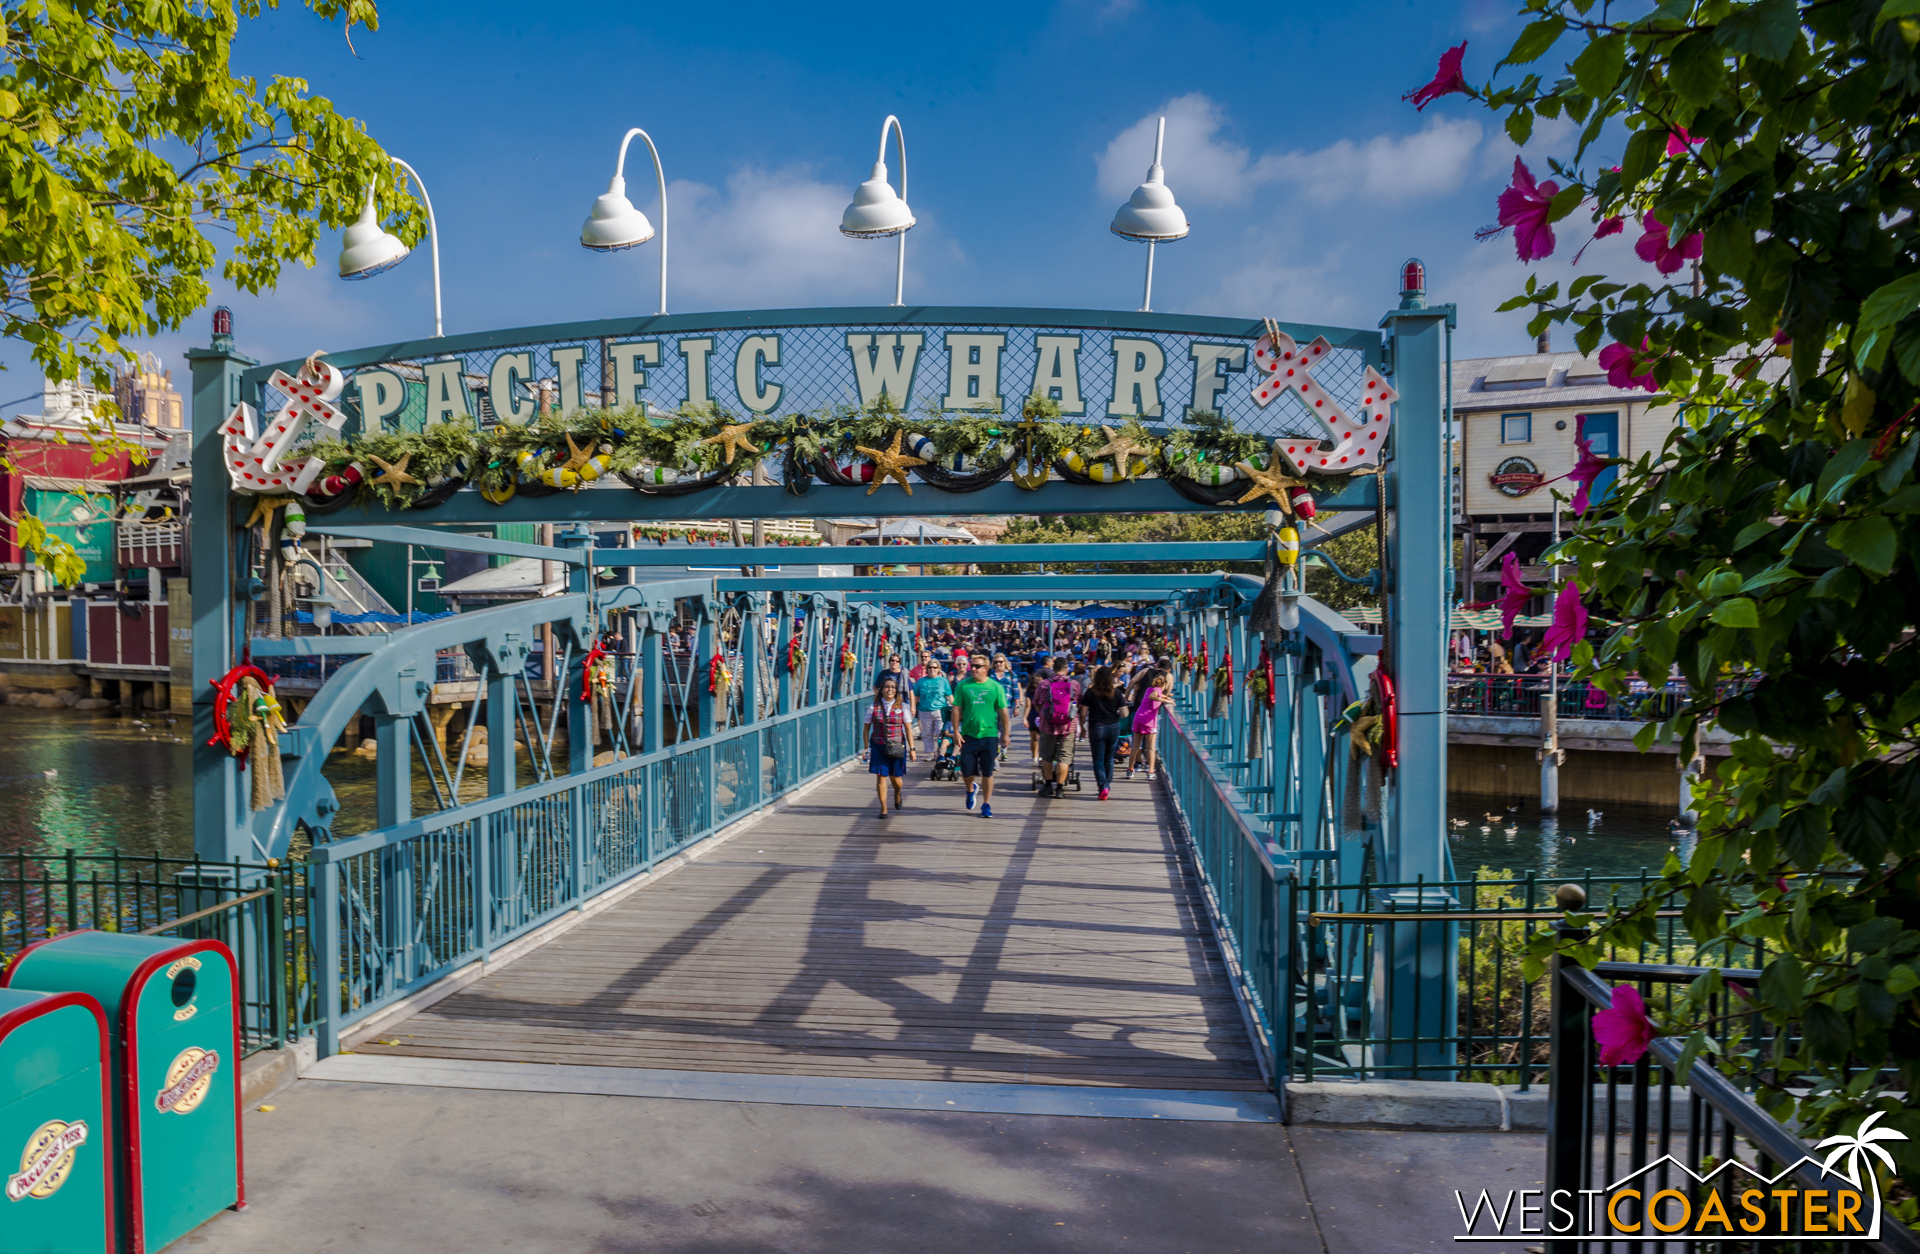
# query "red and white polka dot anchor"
(253, 461)
(1356, 441)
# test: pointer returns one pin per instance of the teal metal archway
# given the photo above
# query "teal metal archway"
(1261, 789)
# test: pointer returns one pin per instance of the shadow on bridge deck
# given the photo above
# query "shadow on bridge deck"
(1060, 942)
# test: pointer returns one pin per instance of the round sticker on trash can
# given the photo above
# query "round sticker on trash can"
(48, 1159)
(189, 1078)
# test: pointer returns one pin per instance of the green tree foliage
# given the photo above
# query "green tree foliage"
(1775, 533)
(135, 158)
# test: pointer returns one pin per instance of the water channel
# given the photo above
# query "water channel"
(124, 783)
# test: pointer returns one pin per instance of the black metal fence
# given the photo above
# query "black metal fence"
(260, 912)
(1457, 944)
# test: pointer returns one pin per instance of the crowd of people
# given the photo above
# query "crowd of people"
(963, 695)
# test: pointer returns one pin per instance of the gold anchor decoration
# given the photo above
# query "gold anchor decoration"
(734, 437)
(392, 474)
(1035, 475)
(1270, 482)
(263, 507)
(1121, 448)
(890, 463)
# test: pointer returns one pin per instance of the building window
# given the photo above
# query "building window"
(1516, 428)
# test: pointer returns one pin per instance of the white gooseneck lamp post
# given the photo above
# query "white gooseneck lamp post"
(367, 249)
(1150, 216)
(877, 213)
(615, 224)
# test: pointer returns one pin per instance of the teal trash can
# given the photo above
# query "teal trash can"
(175, 1063)
(56, 1114)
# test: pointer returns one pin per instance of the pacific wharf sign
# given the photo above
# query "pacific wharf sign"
(1097, 366)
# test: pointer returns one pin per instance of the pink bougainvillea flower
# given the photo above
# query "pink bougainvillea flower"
(1569, 622)
(1618, 361)
(1653, 247)
(1781, 339)
(1514, 594)
(1523, 207)
(1678, 141)
(1608, 226)
(1446, 80)
(1623, 1030)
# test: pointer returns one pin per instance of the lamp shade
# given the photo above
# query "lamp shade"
(1150, 214)
(614, 223)
(366, 249)
(875, 211)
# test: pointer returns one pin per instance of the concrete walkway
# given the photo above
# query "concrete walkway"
(383, 1169)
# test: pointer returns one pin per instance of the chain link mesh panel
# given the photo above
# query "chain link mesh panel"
(1098, 374)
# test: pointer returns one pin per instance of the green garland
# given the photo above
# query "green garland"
(683, 440)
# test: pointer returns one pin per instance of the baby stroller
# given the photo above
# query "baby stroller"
(1043, 772)
(946, 754)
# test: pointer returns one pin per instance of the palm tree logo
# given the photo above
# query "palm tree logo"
(1855, 1150)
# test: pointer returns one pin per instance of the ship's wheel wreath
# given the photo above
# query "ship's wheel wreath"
(225, 689)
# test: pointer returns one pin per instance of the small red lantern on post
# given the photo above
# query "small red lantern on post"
(1413, 284)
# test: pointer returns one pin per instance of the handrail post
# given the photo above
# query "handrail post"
(1569, 1071)
(324, 917)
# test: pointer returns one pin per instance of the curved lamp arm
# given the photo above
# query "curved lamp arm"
(900, 262)
(620, 170)
(1369, 581)
(433, 236)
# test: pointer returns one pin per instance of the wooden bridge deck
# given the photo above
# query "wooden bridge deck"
(1060, 942)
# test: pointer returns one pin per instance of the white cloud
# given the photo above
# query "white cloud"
(772, 238)
(1204, 167)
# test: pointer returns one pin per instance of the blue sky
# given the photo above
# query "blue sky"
(1306, 178)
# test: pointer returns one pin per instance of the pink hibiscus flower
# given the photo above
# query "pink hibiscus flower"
(1587, 469)
(1608, 226)
(1569, 622)
(1653, 247)
(1678, 141)
(1514, 594)
(1523, 207)
(1446, 80)
(1618, 361)
(1623, 1030)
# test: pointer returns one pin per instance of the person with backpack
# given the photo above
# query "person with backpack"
(1146, 720)
(982, 708)
(1037, 679)
(1060, 707)
(889, 743)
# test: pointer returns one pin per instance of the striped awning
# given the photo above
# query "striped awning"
(1463, 620)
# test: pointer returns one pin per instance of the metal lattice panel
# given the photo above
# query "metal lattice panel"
(778, 368)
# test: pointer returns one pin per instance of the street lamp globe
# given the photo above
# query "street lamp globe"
(368, 249)
(614, 223)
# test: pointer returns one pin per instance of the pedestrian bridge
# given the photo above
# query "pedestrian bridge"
(1058, 943)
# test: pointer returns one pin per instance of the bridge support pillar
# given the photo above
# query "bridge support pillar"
(220, 816)
(1419, 985)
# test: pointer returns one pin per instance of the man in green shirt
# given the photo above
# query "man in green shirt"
(982, 706)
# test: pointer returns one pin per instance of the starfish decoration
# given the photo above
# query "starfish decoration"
(263, 507)
(890, 463)
(1270, 482)
(392, 474)
(732, 439)
(1121, 448)
(577, 456)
